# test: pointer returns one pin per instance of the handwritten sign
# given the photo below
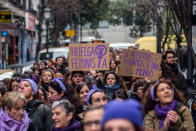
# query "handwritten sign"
(140, 64)
(82, 57)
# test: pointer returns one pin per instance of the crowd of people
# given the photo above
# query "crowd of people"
(51, 98)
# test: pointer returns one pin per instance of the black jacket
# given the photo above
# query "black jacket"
(40, 115)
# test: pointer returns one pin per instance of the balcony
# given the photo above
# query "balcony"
(9, 5)
(24, 5)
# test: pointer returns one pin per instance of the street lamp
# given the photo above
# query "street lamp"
(47, 15)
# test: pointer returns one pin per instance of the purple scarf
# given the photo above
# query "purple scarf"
(162, 111)
(75, 125)
(9, 124)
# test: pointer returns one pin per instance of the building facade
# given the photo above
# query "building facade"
(18, 44)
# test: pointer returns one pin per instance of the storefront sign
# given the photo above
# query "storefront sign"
(70, 33)
(30, 21)
(5, 17)
(4, 33)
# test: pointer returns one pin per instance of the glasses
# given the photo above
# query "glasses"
(16, 79)
(170, 57)
(90, 123)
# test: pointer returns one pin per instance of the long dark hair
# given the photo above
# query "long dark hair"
(14, 79)
(149, 104)
(114, 62)
(46, 101)
(118, 79)
(82, 84)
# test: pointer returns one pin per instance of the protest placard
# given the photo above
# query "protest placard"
(82, 57)
(139, 63)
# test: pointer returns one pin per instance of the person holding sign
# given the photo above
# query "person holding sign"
(77, 77)
(112, 83)
(165, 108)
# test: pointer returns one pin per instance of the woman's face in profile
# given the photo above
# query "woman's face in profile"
(41, 95)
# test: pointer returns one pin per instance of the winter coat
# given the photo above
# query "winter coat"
(192, 108)
(40, 115)
(184, 123)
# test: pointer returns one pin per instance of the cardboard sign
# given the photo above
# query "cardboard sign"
(141, 64)
(82, 57)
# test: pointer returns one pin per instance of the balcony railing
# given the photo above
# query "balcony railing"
(22, 5)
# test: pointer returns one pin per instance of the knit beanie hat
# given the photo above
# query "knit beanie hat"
(128, 109)
(33, 85)
(91, 92)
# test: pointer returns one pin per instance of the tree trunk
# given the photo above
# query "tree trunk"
(38, 47)
(80, 33)
(166, 36)
(190, 48)
(76, 33)
(41, 18)
(159, 34)
(56, 36)
(178, 41)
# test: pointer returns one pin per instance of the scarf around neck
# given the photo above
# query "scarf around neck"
(75, 125)
(162, 111)
(9, 124)
(110, 90)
